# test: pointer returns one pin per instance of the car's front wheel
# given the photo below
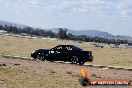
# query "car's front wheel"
(41, 56)
(74, 59)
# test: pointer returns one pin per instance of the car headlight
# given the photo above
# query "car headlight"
(33, 51)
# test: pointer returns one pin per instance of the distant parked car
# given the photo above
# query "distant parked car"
(68, 53)
(99, 46)
(116, 46)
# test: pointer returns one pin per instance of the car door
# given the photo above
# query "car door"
(61, 53)
(55, 53)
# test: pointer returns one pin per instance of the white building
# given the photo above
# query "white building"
(3, 32)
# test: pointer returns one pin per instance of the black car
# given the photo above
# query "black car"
(68, 53)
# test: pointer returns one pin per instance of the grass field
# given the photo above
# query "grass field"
(16, 78)
(102, 56)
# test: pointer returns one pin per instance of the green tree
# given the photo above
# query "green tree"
(62, 34)
(65, 34)
(1, 27)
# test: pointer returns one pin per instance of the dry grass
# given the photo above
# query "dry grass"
(38, 74)
(102, 56)
(15, 78)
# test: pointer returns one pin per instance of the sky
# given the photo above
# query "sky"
(113, 16)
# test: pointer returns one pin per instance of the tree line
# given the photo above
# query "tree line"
(62, 34)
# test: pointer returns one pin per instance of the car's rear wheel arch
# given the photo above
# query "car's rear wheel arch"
(74, 59)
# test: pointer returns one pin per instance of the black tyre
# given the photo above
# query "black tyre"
(74, 59)
(41, 56)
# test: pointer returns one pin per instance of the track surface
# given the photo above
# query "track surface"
(96, 66)
(66, 71)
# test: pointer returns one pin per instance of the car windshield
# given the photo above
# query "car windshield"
(57, 47)
(77, 48)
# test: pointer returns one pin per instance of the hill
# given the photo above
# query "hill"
(86, 32)
(91, 33)
(12, 24)
(94, 33)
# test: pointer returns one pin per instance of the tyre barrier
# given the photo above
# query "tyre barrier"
(96, 66)
(111, 67)
(15, 57)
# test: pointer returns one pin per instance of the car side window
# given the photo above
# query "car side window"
(68, 48)
(59, 48)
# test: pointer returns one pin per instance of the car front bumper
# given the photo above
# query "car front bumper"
(89, 58)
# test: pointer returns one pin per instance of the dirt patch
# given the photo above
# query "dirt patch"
(38, 74)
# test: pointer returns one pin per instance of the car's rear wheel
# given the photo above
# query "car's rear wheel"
(74, 59)
(41, 56)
